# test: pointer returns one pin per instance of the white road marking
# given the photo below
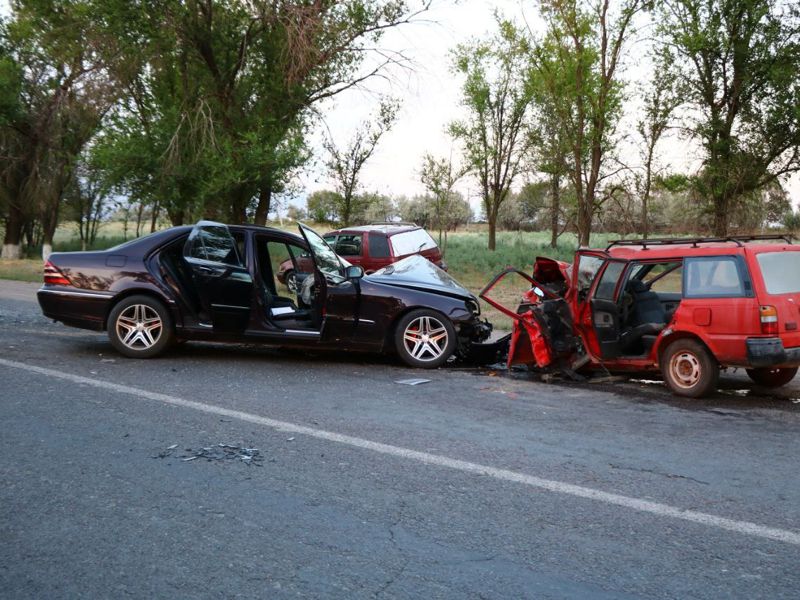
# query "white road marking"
(559, 487)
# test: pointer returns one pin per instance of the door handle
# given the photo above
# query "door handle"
(207, 270)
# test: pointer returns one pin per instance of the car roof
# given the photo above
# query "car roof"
(675, 251)
(383, 228)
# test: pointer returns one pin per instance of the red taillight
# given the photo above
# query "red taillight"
(53, 276)
(769, 320)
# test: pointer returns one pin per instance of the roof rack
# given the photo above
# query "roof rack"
(737, 239)
(399, 223)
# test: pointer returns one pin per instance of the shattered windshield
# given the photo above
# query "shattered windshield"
(325, 258)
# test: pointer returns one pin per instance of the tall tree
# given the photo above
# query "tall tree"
(439, 176)
(496, 94)
(56, 56)
(738, 60)
(578, 63)
(216, 122)
(346, 163)
(661, 97)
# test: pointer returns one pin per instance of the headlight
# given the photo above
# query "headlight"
(473, 307)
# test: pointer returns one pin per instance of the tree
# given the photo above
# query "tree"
(738, 61)
(85, 200)
(216, 119)
(56, 58)
(496, 94)
(439, 176)
(345, 164)
(322, 206)
(578, 64)
(661, 98)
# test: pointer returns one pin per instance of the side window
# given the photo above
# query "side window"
(348, 245)
(588, 266)
(378, 245)
(608, 282)
(215, 244)
(669, 283)
(331, 239)
(713, 277)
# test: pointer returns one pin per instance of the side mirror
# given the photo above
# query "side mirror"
(354, 272)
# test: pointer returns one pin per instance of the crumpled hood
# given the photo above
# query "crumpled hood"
(418, 273)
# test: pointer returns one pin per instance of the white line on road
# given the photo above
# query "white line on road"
(559, 487)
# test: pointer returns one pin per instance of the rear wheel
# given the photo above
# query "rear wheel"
(689, 369)
(425, 338)
(772, 378)
(140, 327)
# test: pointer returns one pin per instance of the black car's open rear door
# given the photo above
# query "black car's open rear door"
(220, 277)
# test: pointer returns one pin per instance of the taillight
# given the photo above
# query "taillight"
(53, 276)
(769, 320)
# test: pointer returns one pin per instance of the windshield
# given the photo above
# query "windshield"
(325, 258)
(781, 272)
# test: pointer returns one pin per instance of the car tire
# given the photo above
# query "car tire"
(140, 327)
(424, 338)
(290, 277)
(689, 369)
(772, 378)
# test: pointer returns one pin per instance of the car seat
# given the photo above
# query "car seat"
(647, 319)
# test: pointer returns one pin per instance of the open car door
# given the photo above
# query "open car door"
(220, 277)
(542, 331)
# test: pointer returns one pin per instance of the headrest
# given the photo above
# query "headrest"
(637, 286)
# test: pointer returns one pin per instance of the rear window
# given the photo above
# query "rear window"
(781, 271)
(411, 242)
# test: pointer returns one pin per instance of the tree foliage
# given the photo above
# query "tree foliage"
(497, 94)
(738, 62)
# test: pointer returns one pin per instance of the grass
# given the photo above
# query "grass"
(21, 270)
(466, 254)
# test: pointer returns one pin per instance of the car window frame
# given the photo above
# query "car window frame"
(197, 231)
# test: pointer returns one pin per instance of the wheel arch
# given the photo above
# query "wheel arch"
(152, 293)
(664, 343)
(388, 340)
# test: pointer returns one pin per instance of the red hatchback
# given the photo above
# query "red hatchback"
(375, 246)
(684, 307)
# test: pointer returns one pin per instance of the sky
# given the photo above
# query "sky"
(429, 93)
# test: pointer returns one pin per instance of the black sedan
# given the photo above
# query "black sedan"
(219, 282)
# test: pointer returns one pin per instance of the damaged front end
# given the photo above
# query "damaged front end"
(543, 336)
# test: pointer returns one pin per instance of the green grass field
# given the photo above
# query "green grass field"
(466, 254)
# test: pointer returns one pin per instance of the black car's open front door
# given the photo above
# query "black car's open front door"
(220, 276)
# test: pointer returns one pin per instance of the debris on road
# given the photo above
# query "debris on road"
(412, 381)
(219, 452)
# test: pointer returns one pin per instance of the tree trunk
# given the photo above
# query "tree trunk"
(264, 202)
(555, 208)
(584, 221)
(492, 230)
(49, 224)
(721, 204)
(13, 235)
(154, 216)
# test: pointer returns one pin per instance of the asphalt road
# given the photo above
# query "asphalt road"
(479, 484)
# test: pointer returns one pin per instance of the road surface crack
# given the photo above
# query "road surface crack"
(393, 541)
(660, 473)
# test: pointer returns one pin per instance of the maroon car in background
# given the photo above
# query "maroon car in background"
(373, 247)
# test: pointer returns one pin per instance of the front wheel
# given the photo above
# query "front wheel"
(689, 369)
(772, 378)
(291, 281)
(140, 327)
(425, 338)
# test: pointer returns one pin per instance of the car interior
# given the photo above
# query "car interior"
(649, 298)
(289, 310)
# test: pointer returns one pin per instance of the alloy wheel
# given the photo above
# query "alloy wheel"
(425, 339)
(139, 327)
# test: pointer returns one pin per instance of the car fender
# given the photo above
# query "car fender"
(668, 336)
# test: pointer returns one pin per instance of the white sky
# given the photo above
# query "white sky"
(430, 94)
